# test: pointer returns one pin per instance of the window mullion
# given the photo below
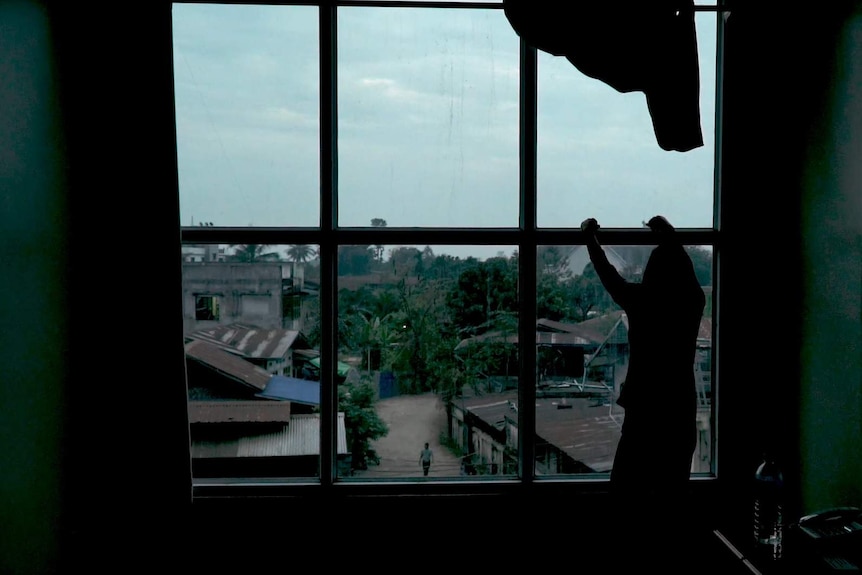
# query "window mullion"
(328, 245)
(527, 265)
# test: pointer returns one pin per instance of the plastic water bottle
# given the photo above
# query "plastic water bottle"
(768, 512)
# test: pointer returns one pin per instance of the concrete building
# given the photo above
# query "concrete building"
(217, 293)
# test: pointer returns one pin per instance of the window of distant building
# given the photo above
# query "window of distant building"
(206, 308)
(418, 176)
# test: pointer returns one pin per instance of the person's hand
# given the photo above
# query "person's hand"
(589, 226)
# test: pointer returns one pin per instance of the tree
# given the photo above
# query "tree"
(361, 422)
(354, 260)
(443, 267)
(589, 294)
(554, 284)
(370, 333)
(311, 327)
(301, 253)
(378, 249)
(405, 261)
(701, 258)
(422, 338)
(553, 297)
(482, 291)
(552, 260)
(251, 253)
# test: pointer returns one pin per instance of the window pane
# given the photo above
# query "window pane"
(247, 99)
(428, 354)
(250, 319)
(583, 359)
(427, 117)
(597, 154)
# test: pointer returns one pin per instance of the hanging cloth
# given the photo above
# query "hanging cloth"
(631, 45)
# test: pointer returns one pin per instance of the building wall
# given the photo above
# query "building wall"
(246, 292)
(459, 432)
(204, 253)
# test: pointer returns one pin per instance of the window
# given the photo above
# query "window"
(396, 191)
(206, 308)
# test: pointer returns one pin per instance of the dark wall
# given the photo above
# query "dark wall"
(93, 476)
(790, 355)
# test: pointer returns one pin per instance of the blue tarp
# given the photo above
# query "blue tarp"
(292, 389)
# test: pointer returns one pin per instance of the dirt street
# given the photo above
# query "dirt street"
(412, 420)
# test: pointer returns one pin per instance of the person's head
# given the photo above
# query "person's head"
(426, 445)
(669, 270)
(661, 227)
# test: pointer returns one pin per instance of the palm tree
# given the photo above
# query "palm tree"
(250, 253)
(301, 253)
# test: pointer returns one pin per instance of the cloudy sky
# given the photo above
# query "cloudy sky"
(427, 124)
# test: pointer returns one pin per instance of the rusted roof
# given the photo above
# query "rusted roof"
(550, 332)
(227, 364)
(300, 437)
(600, 327)
(251, 411)
(595, 330)
(551, 325)
(250, 341)
(542, 338)
(586, 430)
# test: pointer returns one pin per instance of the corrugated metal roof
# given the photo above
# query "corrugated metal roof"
(285, 388)
(594, 330)
(239, 411)
(562, 339)
(600, 327)
(249, 340)
(228, 364)
(570, 336)
(300, 437)
(587, 431)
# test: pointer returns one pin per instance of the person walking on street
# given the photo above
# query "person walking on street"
(426, 456)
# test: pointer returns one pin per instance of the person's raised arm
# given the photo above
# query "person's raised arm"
(608, 274)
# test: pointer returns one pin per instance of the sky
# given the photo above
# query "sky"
(427, 124)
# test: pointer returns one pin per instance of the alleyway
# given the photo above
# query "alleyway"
(412, 420)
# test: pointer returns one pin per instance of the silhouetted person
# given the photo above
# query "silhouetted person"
(652, 464)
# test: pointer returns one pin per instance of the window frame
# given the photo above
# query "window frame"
(328, 236)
